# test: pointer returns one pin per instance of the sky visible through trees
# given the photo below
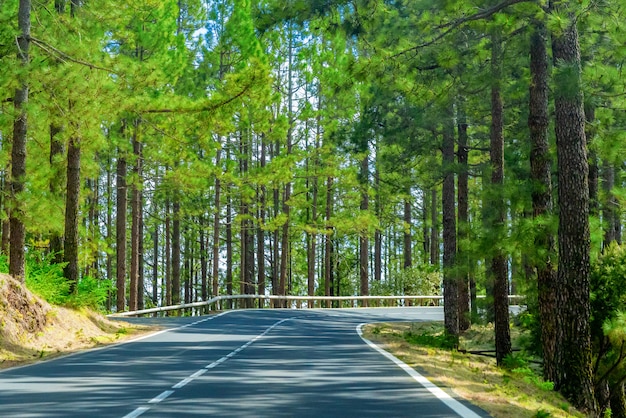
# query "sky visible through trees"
(170, 151)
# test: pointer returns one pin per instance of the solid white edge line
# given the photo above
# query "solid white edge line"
(448, 400)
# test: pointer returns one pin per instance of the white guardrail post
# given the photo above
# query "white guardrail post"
(202, 306)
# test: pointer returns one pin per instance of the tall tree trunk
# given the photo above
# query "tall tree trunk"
(229, 245)
(434, 228)
(135, 209)
(463, 259)
(498, 262)
(72, 201)
(176, 249)
(18, 148)
(594, 172)
(56, 187)
(573, 310)
(407, 250)
(140, 277)
(168, 253)
(450, 280)
(328, 244)
(204, 267)
(155, 264)
(216, 228)
(363, 238)
(378, 236)
(109, 229)
(540, 173)
(610, 207)
(120, 231)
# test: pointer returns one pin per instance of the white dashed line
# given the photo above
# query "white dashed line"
(164, 395)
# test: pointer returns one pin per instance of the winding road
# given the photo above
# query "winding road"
(252, 363)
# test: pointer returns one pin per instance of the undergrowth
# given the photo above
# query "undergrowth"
(45, 278)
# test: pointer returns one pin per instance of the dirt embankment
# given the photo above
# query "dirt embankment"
(31, 329)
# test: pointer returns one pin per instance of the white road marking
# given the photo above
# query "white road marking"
(164, 395)
(137, 412)
(448, 400)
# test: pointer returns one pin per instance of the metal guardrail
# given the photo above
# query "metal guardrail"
(217, 302)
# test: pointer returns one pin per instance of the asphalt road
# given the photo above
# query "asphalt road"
(255, 363)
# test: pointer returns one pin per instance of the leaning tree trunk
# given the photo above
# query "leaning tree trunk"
(540, 173)
(574, 375)
(18, 148)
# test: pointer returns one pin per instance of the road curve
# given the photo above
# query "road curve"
(253, 363)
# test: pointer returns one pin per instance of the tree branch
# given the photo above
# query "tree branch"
(450, 26)
(63, 56)
(208, 108)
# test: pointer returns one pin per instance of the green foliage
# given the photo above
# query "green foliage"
(46, 280)
(441, 340)
(415, 281)
(608, 274)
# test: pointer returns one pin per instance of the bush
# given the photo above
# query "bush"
(45, 279)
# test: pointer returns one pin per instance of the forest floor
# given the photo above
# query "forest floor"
(32, 330)
(515, 391)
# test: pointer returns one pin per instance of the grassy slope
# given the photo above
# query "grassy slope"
(502, 393)
(32, 330)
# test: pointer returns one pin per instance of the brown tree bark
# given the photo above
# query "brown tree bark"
(168, 253)
(363, 238)
(573, 310)
(463, 227)
(498, 262)
(120, 231)
(176, 249)
(18, 147)
(328, 243)
(56, 186)
(72, 202)
(450, 280)
(135, 232)
(216, 228)
(540, 173)
(434, 228)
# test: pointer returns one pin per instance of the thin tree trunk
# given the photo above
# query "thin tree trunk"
(135, 232)
(434, 229)
(168, 253)
(540, 172)
(363, 238)
(450, 280)
(407, 251)
(574, 351)
(463, 227)
(216, 229)
(498, 262)
(176, 249)
(56, 187)
(610, 212)
(121, 232)
(204, 267)
(18, 148)
(328, 244)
